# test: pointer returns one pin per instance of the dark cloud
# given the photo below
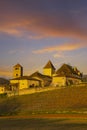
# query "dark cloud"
(42, 5)
(48, 17)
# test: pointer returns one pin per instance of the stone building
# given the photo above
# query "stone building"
(17, 71)
(67, 75)
(19, 81)
(45, 80)
(49, 69)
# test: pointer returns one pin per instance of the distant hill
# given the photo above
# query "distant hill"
(3, 81)
(66, 100)
(85, 78)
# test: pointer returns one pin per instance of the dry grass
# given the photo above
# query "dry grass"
(67, 100)
(42, 124)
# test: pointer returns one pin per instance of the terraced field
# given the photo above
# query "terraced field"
(42, 124)
(51, 110)
(66, 100)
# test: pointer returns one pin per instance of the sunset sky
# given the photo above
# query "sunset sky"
(32, 32)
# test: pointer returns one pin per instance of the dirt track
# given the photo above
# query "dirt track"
(48, 116)
(44, 122)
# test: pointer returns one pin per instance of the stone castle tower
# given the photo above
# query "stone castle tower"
(17, 71)
(49, 69)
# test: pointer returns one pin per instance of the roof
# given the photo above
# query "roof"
(25, 78)
(2, 86)
(18, 65)
(49, 65)
(13, 84)
(67, 70)
(39, 75)
(4, 81)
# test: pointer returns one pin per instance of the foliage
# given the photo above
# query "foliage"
(3, 95)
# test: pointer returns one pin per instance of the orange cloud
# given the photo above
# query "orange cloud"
(63, 47)
(46, 18)
(5, 73)
(41, 25)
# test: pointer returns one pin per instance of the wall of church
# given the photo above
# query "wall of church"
(17, 72)
(47, 72)
(59, 81)
(65, 81)
(2, 89)
(14, 81)
(28, 84)
(73, 81)
(23, 84)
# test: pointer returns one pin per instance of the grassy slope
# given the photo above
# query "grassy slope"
(67, 99)
(42, 124)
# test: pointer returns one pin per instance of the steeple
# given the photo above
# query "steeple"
(49, 65)
(49, 69)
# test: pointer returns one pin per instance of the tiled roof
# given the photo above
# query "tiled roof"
(49, 65)
(25, 78)
(64, 69)
(39, 75)
(67, 70)
(17, 65)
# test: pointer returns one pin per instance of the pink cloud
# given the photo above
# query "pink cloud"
(4, 72)
(42, 25)
(62, 47)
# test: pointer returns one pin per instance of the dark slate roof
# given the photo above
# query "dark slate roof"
(39, 75)
(67, 70)
(3, 81)
(49, 65)
(18, 65)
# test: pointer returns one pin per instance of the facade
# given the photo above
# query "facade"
(45, 80)
(2, 89)
(59, 81)
(24, 82)
(66, 75)
(49, 69)
(17, 71)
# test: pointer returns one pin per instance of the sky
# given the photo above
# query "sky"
(32, 32)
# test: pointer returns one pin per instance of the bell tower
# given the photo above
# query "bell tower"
(17, 71)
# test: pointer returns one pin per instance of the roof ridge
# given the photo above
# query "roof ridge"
(49, 65)
(17, 65)
(67, 70)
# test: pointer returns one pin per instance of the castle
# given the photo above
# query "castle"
(66, 75)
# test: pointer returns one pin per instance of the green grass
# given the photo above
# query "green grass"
(66, 100)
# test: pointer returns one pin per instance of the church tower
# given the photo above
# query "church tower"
(17, 71)
(49, 69)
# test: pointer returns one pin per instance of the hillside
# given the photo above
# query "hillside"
(3, 81)
(66, 100)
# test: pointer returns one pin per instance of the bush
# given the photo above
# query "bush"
(3, 95)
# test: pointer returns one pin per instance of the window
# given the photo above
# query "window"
(16, 68)
(16, 74)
